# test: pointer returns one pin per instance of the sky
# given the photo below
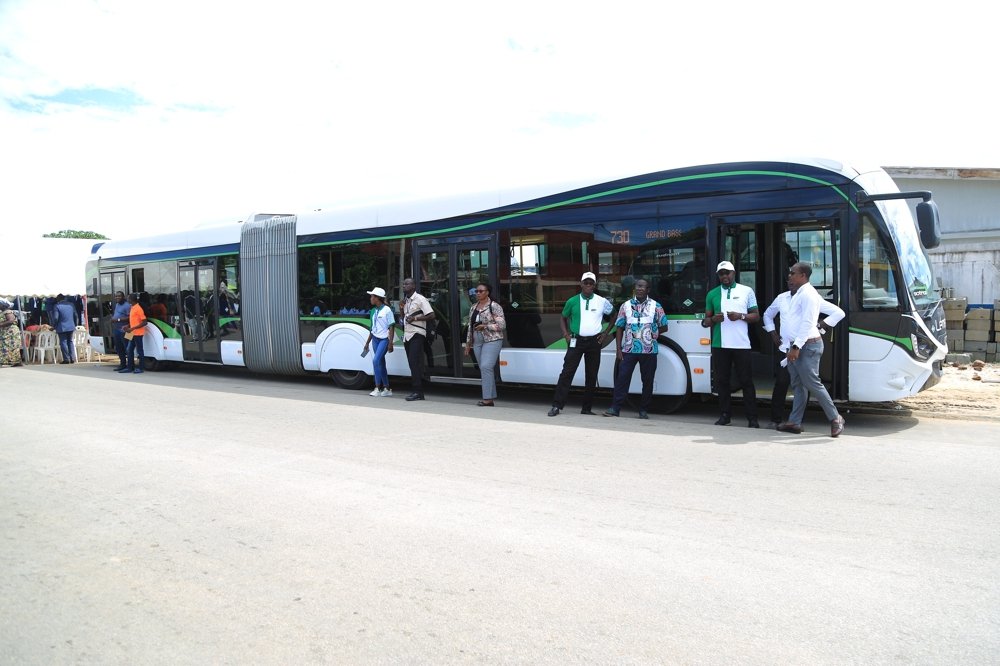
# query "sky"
(131, 117)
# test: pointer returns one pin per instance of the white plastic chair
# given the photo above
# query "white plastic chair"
(81, 343)
(48, 342)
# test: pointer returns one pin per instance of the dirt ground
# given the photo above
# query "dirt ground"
(964, 392)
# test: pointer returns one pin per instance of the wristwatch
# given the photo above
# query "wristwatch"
(743, 316)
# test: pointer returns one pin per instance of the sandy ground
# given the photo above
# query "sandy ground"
(965, 392)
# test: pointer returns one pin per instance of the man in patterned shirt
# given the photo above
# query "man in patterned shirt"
(640, 322)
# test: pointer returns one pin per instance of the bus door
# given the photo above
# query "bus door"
(199, 316)
(448, 271)
(763, 247)
(111, 283)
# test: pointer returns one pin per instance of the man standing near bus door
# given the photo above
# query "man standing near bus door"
(582, 324)
(137, 327)
(805, 351)
(779, 308)
(729, 309)
(417, 312)
(119, 320)
(640, 322)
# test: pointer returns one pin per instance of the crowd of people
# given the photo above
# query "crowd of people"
(61, 314)
(587, 326)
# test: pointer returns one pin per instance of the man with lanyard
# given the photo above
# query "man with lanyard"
(780, 307)
(582, 324)
(640, 322)
(729, 308)
(416, 311)
(119, 320)
(805, 351)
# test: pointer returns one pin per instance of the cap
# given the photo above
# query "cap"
(725, 266)
(588, 276)
(378, 291)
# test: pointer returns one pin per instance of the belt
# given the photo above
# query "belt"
(587, 337)
(816, 339)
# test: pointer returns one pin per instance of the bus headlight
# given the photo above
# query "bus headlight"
(923, 348)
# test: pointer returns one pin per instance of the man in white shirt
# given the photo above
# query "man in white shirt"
(805, 351)
(779, 308)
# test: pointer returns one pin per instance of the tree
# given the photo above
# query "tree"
(72, 233)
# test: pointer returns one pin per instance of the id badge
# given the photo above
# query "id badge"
(572, 342)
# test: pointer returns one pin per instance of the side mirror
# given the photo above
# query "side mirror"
(929, 223)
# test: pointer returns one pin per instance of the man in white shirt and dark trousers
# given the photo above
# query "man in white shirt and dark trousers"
(779, 308)
(729, 308)
(805, 351)
(582, 324)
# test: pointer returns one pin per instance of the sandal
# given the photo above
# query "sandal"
(485, 403)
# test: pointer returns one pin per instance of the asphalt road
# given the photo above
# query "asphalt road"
(208, 516)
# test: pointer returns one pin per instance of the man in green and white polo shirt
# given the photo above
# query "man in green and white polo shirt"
(583, 327)
(729, 309)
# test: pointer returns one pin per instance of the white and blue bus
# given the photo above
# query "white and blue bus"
(286, 294)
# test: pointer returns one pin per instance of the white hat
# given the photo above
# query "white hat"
(378, 291)
(725, 266)
(588, 276)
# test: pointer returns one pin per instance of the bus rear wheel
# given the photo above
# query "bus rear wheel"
(350, 379)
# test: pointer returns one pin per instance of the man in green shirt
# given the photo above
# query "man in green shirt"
(582, 326)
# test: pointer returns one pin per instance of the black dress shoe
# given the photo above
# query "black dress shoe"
(554, 411)
(414, 396)
(793, 428)
(752, 423)
(723, 420)
(643, 414)
(588, 411)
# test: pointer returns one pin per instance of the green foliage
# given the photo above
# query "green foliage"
(72, 233)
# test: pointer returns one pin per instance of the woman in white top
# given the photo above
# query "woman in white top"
(382, 330)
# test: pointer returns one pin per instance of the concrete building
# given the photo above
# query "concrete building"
(968, 259)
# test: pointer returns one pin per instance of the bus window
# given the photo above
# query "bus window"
(877, 282)
(815, 245)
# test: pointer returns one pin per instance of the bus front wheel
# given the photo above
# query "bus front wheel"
(351, 379)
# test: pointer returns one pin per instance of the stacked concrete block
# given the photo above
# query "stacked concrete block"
(954, 319)
(979, 334)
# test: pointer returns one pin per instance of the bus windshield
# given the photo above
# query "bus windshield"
(914, 264)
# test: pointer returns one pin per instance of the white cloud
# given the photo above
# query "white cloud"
(299, 105)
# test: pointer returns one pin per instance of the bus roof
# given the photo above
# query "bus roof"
(223, 239)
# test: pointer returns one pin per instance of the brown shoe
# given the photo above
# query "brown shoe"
(837, 426)
(793, 428)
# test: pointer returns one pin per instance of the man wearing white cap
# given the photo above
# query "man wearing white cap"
(729, 309)
(583, 328)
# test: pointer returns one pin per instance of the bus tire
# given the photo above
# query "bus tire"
(351, 379)
(671, 403)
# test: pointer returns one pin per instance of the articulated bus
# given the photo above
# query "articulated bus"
(286, 294)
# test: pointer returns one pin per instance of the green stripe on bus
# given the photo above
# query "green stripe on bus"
(591, 197)
(166, 329)
(903, 342)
